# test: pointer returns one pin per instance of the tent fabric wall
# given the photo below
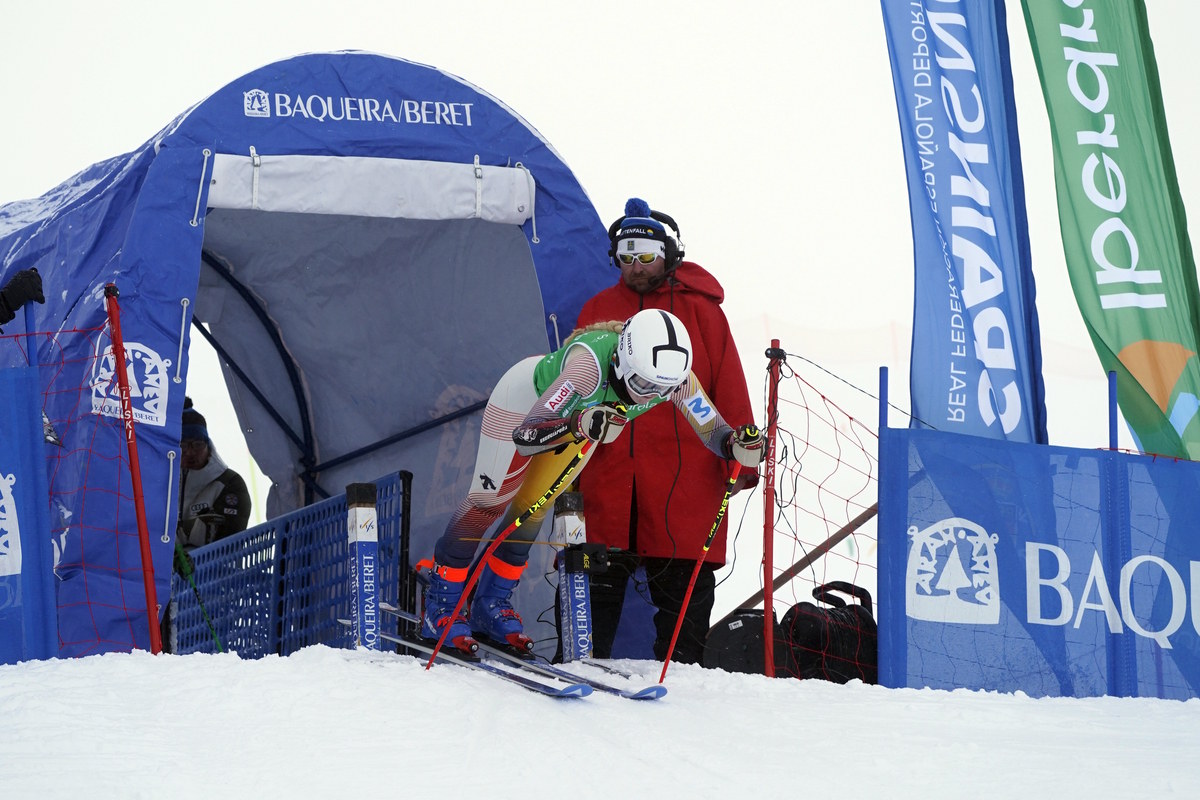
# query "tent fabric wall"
(354, 321)
(28, 624)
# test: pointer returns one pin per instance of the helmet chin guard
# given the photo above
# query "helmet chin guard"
(654, 353)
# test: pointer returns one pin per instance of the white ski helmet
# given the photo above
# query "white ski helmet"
(654, 353)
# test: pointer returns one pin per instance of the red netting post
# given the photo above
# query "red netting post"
(777, 357)
(135, 469)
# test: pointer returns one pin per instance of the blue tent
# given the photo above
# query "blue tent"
(367, 242)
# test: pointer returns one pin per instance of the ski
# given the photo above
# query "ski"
(525, 681)
(490, 650)
(568, 689)
(546, 669)
(609, 668)
(399, 612)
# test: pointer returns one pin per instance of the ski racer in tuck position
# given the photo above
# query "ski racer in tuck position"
(537, 419)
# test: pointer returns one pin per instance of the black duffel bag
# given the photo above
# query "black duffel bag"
(735, 644)
(836, 644)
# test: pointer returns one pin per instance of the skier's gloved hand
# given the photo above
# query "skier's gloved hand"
(746, 446)
(602, 424)
(23, 287)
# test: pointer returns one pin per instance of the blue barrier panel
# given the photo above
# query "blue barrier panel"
(28, 614)
(283, 585)
(1047, 570)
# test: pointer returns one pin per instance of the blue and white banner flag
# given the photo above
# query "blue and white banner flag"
(976, 358)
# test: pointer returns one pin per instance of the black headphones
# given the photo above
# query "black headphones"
(674, 244)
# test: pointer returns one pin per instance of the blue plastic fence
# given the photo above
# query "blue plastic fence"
(283, 585)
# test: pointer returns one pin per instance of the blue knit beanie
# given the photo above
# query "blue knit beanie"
(638, 224)
(194, 424)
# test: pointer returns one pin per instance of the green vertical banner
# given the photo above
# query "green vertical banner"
(1123, 225)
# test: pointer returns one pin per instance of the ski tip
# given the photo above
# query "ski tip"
(575, 690)
(649, 693)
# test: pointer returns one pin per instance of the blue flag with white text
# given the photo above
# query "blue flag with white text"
(976, 358)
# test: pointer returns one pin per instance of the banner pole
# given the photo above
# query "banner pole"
(1113, 410)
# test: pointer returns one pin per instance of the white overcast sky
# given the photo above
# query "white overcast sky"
(768, 130)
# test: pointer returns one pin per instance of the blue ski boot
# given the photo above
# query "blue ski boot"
(441, 596)
(492, 613)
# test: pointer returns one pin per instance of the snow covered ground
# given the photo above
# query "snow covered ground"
(336, 723)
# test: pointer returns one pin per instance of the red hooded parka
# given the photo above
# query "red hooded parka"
(679, 482)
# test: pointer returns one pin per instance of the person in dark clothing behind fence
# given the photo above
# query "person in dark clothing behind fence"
(213, 499)
(213, 503)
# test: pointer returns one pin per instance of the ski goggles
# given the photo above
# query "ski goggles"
(644, 258)
(646, 388)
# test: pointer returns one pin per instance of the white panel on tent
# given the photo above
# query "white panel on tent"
(372, 187)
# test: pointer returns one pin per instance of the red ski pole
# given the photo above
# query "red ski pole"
(737, 469)
(561, 481)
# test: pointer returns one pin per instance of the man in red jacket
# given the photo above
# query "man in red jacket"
(654, 494)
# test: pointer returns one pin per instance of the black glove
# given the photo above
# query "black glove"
(746, 445)
(183, 562)
(602, 424)
(26, 285)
